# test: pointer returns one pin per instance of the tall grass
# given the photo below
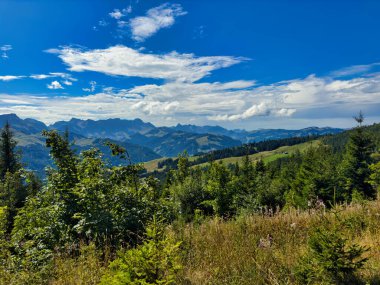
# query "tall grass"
(236, 251)
(219, 252)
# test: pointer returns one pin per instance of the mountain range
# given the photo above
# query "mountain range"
(143, 140)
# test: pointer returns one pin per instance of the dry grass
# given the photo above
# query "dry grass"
(228, 252)
(85, 269)
(221, 252)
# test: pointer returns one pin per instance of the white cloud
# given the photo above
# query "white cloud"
(156, 107)
(354, 70)
(10, 77)
(4, 51)
(155, 19)
(67, 77)
(55, 85)
(125, 61)
(262, 109)
(128, 10)
(91, 88)
(116, 14)
(229, 103)
(103, 23)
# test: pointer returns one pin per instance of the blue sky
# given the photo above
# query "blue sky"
(239, 64)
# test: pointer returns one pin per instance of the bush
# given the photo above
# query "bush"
(331, 259)
(156, 261)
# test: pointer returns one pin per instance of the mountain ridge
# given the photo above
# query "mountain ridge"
(144, 140)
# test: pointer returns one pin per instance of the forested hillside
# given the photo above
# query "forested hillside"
(307, 218)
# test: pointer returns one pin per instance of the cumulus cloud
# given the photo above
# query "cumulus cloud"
(4, 51)
(262, 109)
(156, 107)
(233, 102)
(116, 14)
(124, 61)
(54, 85)
(155, 19)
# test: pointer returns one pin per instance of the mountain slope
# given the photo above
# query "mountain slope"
(27, 126)
(167, 142)
(256, 135)
(36, 157)
(117, 129)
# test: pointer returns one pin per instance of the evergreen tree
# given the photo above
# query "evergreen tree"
(357, 159)
(183, 167)
(219, 189)
(8, 157)
(12, 190)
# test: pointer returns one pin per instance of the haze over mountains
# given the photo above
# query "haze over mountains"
(143, 140)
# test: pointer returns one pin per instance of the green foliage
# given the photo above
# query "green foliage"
(82, 201)
(8, 158)
(374, 178)
(13, 190)
(86, 201)
(183, 167)
(155, 261)
(190, 196)
(315, 179)
(219, 188)
(331, 258)
(355, 166)
(245, 195)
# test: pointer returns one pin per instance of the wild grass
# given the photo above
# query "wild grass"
(219, 252)
(216, 251)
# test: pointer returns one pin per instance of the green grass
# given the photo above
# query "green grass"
(272, 155)
(152, 165)
(267, 156)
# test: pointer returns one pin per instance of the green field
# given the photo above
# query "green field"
(267, 156)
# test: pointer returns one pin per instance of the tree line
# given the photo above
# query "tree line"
(245, 149)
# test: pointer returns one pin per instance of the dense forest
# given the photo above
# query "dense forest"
(101, 224)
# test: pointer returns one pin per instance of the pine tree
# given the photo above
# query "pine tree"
(8, 157)
(12, 189)
(357, 159)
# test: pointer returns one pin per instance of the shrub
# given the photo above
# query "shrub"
(331, 258)
(156, 261)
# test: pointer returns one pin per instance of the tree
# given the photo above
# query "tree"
(315, 178)
(219, 188)
(183, 166)
(331, 258)
(8, 157)
(356, 162)
(244, 186)
(12, 188)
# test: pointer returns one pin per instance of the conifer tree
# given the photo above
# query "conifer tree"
(357, 159)
(12, 190)
(8, 157)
